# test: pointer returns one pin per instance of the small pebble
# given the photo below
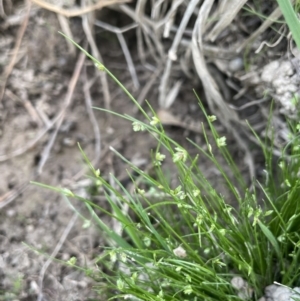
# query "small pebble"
(34, 287)
(236, 64)
(30, 228)
(237, 282)
(10, 212)
(270, 289)
(67, 141)
(180, 252)
(281, 290)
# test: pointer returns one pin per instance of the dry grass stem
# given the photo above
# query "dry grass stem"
(11, 195)
(153, 42)
(93, 120)
(2, 12)
(31, 144)
(275, 15)
(214, 98)
(86, 24)
(282, 35)
(69, 13)
(172, 54)
(119, 32)
(172, 94)
(54, 253)
(147, 87)
(65, 28)
(46, 152)
(227, 14)
(35, 117)
(166, 21)
(167, 118)
(8, 69)
(249, 104)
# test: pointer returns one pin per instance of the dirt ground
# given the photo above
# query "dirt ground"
(41, 120)
(36, 93)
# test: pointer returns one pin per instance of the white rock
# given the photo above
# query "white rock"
(269, 71)
(237, 282)
(282, 293)
(270, 289)
(180, 252)
(236, 64)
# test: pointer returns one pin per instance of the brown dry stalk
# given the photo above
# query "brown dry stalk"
(226, 16)
(71, 87)
(56, 120)
(274, 16)
(79, 11)
(15, 52)
(11, 195)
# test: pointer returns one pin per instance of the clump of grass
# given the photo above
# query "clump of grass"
(188, 242)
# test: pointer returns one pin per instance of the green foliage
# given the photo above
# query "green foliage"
(15, 290)
(291, 18)
(187, 242)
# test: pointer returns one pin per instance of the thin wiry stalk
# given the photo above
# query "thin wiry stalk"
(275, 15)
(227, 15)
(119, 32)
(172, 56)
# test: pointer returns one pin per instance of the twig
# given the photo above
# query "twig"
(28, 106)
(147, 87)
(167, 118)
(225, 18)
(272, 18)
(19, 38)
(32, 143)
(155, 12)
(172, 56)
(145, 27)
(282, 35)
(13, 194)
(249, 104)
(68, 99)
(89, 105)
(2, 12)
(54, 253)
(119, 32)
(65, 27)
(95, 52)
(69, 13)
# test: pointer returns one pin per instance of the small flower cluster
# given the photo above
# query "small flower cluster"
(115, 254)
(180, 155)
(154, 121)
(178, 193)
(221, 142)
(158, 159)
(139, 126)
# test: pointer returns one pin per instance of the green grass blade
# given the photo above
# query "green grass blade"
(291, 19)
(269, 235)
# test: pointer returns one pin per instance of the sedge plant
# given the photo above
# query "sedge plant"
(188, 242)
